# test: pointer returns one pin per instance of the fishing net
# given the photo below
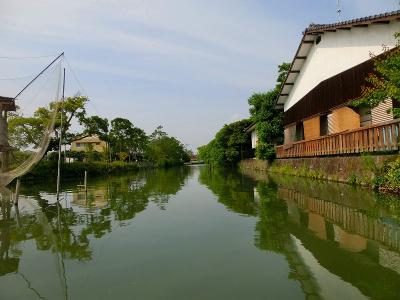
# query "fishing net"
(29, 126)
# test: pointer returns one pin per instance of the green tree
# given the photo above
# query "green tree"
(25, 132)
(96, 125)
(158, 133)
(126, 139)
(163, 150)
(268, 119)
(384, 83)
(229, 146)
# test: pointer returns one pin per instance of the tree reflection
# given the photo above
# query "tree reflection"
(233, 190)
(237, 193)
(68, 229)
(272, 232)
(8, 260)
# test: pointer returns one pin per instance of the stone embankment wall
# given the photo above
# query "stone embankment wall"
(349, 169)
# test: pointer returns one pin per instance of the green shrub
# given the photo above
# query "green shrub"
(48, 169)
(389, 177)
(352, 179)
(265, 151)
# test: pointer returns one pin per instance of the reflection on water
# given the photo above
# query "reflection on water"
(333, 236)
(200, 233)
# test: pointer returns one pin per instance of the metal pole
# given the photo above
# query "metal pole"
(17, 187)
(85, 181)
(60, 141)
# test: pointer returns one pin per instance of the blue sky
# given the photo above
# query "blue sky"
(187, 65)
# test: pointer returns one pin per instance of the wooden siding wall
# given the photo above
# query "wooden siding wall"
(380, 113)
(330, 93)
(311, 128)
(343, 119)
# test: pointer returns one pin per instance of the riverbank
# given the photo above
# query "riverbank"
(46, 170)
(381, 172)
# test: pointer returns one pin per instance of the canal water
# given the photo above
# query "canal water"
(200, 233)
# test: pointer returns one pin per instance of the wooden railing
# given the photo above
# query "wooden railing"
(375, 138)
(350, 219)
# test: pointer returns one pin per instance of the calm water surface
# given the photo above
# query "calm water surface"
(197, 233)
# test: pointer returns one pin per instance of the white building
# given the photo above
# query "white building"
(253, 133)
(328, 72)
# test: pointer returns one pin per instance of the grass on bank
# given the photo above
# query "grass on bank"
(385, 178)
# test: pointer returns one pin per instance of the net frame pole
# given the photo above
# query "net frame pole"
(60, 139)
(38, 75)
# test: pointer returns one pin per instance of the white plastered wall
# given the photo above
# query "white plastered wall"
(254, 139)
(339, 51)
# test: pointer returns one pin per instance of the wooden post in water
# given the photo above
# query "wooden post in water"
(17, 217)
(17, 187)
(85, 181)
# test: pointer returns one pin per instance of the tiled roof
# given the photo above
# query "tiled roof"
(360, 21)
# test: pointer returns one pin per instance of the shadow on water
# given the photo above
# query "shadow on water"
(339, 241)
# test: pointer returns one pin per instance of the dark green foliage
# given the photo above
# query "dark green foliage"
(388, 178)
(96, 125)
(48, 169)
(229, 146)
(77, 155)
(126, 140)
(268, 119)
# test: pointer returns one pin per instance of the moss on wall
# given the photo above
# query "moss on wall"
(376, 171)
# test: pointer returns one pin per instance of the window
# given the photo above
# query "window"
(299, 132)
(323, 123)
(78, 145)
(365, 116)
(97, 143)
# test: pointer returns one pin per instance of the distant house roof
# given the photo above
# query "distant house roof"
(311, 34)
(88, 139)
(7, 103)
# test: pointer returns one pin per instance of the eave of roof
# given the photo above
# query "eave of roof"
(309, 36)
(2, 98)
(250, 128)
